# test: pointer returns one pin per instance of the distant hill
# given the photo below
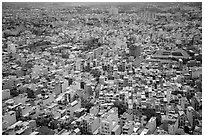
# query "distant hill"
(16, 5)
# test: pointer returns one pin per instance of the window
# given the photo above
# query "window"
(166, 53)
(12, 113)
(177, 54)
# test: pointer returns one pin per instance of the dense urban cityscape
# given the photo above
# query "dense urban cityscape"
(102, 68)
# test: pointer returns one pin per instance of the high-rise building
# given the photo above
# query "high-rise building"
(146, 16)
(78, 65)
(113, 11)
(190, 115)
(11, 48)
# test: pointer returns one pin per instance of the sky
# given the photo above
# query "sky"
(93, 4)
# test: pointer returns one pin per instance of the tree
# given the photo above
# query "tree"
(121, 107)
(14, 92)
(149, 113)
(158, 119)
(75, 97)
(187, 130)
(44, 120)
(180, 132)
(53, 124)
(88, 106)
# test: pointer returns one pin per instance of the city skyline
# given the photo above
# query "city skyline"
(117, 69)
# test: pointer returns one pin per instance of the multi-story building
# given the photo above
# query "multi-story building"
(116, 130)
(69, 95)
(5, 94)
(146, 16)
(127, 129)
(181, 119)
(125, 118)
(90, 123)
(108, 121)
(94, 110)
(79, 112)
(75, 105)
(8, 119)
(12, 49)
(151, 124)
(189, 114)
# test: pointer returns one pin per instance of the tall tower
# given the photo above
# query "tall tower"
(11, 48)
(113, 11)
